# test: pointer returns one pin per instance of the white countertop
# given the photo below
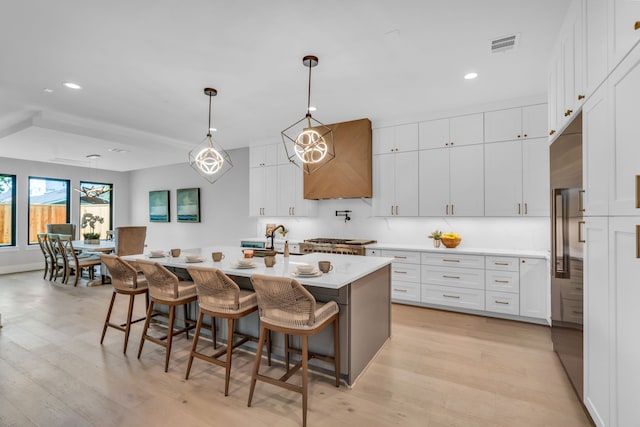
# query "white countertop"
(346, 268)
(428, 247)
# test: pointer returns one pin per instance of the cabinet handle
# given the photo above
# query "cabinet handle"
(400, 256)
(518, 136)
(580, 227)
(399, 290)
(636, 26)
(399, 272)
(450, 277)
(525, 135)
(637, 241)
(552, 131)
(581, 200)
(501, 281)
(501, 302)
(391, 209)
(568, 113)
(580, 97)
(526, 208)
(519, 206)
(452, 205)
(396, 209)
(450, 260)
(500, 263)
(451, 296)
(447, 209)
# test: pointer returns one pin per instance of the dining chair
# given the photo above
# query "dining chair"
(69, 229)
(129, 240)
(49, 259)
(73, 263)
(166, 289)
(220, 297)
(126, 281)
(284, 305)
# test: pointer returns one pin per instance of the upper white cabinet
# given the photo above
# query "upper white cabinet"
(595, 55)
(396, 186)
(395, 139)
(624, 23)
(461, 130)
(290, 193)
(535, 177)
(262, 191)
(515, 123)
(451, 181)
(263, 155)
(596, 131)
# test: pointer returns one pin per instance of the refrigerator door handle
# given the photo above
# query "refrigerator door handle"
(580, 232)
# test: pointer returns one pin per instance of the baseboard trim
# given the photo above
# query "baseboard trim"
(19, 268)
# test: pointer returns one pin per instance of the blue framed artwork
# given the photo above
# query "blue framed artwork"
(188, 204)
(159, 206)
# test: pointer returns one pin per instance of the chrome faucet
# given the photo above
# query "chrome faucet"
(273, 232)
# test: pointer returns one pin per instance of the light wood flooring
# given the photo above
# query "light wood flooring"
(438, 369)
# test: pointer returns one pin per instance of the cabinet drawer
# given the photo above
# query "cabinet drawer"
(402, 256)
(502, 302)
(405, 272)
(502, 263)
(503, 281)
(454, 277)
(444, 295)
(453, 260)
(405, 291)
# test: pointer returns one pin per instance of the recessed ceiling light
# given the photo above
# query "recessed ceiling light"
(312, 108)
(470, 76)
(47, 90)
(93, 156)
(71, 85)
(213, 129)
(118, 150)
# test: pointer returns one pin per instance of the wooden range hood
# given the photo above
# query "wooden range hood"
(349, 174)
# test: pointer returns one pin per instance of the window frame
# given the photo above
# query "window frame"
(14, 184)
(68, 204)
(110, 201)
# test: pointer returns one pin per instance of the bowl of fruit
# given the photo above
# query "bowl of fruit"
(451, 240)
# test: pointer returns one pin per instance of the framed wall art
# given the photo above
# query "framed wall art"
(188, 204)
(159, 206)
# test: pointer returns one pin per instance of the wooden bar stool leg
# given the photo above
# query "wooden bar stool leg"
(195, 343)
(268, 348)
(127, 327)
(185, 319)
(172, 318)
(256, 365)
(106, 322)
(227, 366)
(286, 351)
(336, 349)
(214, 335)
(305, 377)
(146, 327)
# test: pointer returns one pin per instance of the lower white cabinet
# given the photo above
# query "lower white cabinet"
(405, 275)
(502, 302)
(534, 288)
(452, 296)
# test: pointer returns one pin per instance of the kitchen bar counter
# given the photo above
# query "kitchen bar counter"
(360, 285)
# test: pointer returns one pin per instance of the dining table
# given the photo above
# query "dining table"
(360, 285)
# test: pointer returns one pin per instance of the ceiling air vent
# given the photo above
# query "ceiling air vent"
(502, 44)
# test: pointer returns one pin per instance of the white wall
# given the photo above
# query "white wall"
(25, 257)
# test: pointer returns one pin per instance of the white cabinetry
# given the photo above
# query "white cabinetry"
(534, 288)
(596, 129)
(395, 139)
(461, 130)
(502, 283)
(262, 191)
(517, 178)
(624, 24)
(595, 44)
(451, 181)
(597, 324)
(405, 275)
(396, 186)
(263, 155)
(515, 123)
(453, 280)
(290, 191)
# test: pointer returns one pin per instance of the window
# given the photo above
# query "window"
(95, 199)
(7, 210)
(48, 204)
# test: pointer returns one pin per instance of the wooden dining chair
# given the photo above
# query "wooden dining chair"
(72, 263)
(49, 259)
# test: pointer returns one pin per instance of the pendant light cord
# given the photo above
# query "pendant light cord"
(209, 128)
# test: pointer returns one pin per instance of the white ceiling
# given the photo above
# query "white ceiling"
(143, 66)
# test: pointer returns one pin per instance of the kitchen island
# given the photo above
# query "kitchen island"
(360, 285)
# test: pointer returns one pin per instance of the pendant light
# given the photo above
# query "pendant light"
(209, 159)
(308, 143)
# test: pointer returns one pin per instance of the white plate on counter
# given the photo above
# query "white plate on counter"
(315, 273)
(245, 266)
(156, 256)
(190, 261)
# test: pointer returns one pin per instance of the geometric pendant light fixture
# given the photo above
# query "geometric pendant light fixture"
(208, 158)
(309, 143)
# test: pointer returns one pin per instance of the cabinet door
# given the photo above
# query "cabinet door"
(597, 342)
(263, 155)
(624, 89)
(595, 44)
(503, 125)
(624, 16)
(466, 175)
(300, 205)
(406, 137)
(572, 53)
(534, 121)
(534, 288)
(434, 182)
(596, 133)
(552, 88)
(406, 184)
(624, 271)
(434, 134)
(503, 179)
(535, 177)
(383, 140)
(262, 191)
(384, 196)
(466, 130)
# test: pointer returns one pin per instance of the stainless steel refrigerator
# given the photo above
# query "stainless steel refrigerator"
(567, 251)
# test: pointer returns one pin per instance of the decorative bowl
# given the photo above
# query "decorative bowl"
(451, 242)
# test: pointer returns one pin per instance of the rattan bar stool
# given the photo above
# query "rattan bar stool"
(166, 289)
(125, 281)
(285, 306)
(221, 297)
